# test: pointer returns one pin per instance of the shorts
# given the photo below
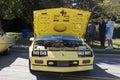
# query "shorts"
(92, 36)
(109, 36)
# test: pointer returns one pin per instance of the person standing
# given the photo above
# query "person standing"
(109, 33)
(24, 32)
(91, 33)
(102, 32)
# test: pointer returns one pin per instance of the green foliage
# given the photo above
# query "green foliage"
(116, 32)
(117, 21)
(19, 40)
(11, 9)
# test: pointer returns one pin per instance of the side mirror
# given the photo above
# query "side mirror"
(32, 39)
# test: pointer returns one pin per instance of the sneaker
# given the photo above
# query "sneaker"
(109, 47)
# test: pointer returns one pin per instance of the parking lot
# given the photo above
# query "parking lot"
(15, 67)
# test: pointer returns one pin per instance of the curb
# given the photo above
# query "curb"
(111, 50)
(19, 49)
(105, 51)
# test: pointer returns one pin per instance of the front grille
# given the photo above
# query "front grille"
(63, 63)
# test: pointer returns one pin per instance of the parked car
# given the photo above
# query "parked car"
(6, 41)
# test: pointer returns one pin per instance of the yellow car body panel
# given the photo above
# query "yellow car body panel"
(61, 56)
(60, 21)
(69, 56)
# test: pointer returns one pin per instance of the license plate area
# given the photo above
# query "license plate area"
(62, 63)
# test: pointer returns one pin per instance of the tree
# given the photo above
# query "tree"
(111, 7)
(31, 5)
(90, 5)
(10, 9)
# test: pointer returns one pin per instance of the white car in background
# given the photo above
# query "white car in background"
(6, 41)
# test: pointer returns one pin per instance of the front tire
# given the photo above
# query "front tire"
(6, 52)
(31, 71)
(30, 66)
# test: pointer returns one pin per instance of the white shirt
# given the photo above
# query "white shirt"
(110, 27)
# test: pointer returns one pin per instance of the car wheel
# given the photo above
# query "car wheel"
(6, 52)
(31, 71)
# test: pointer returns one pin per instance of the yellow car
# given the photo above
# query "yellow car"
(58, 44)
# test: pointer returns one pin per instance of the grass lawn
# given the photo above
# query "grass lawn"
(116, 44)
(26, 42)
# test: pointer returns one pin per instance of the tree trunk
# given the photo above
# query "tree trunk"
(1, 30)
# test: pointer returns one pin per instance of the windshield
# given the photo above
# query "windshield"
(58, 41)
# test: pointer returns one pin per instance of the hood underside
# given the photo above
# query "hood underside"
(60, 21)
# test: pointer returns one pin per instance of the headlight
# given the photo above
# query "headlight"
(41, 53)
(88, 53)
(35, 53)
(81, 53)
(84, 53)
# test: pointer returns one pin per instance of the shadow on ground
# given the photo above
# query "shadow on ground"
(96, 74)
(7, 60)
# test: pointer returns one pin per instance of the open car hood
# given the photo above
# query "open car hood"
(60, 21)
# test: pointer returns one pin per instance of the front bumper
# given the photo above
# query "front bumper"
(62, 69)
(44, 66)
